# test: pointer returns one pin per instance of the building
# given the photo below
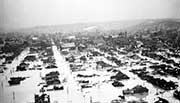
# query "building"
(70, 46)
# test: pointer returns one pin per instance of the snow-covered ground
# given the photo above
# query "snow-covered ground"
(102, 92)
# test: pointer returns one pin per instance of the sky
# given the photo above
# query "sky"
(29, 13)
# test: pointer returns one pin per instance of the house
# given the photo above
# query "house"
(81, 47)
(137, 89)
(71, 37)
(99, 41)
(70, 46)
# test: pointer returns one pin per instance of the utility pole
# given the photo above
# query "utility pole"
(90, 99)
(40, 75)
(84, 97)
(2, 92)
(69, 100)
(67, 94)
(13, 97)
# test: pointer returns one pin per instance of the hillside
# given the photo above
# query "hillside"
(154, 25)
(79, 27)
(128, 25)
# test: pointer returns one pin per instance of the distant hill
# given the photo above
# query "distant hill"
(129, 25)
(158, 33)
(80, 27)
(151, 25)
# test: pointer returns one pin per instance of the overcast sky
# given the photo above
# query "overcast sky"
(28, 13)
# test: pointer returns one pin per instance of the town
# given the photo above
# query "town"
(91, 67)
